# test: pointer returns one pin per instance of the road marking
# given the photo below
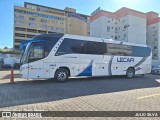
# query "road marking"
(158, 80)
(148, 96)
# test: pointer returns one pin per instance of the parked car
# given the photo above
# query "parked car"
(156, 69)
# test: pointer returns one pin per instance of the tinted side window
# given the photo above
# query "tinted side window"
(141, 51)
(80, 47)
(97, 48)
(119, 50)
(69, 46)
(127, 50)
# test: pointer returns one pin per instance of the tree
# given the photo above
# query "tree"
(5, 48)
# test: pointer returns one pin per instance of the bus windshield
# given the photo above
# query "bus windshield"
(37, 50)
(39, 47)
(24, 54)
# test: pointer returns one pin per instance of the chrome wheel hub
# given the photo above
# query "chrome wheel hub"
(61, 76)
(130, 74)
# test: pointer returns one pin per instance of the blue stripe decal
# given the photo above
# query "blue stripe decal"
(137, 69)
(140, 62)
(136, 66)
(87, 71)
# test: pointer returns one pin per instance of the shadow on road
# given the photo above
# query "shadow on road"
(29, 92)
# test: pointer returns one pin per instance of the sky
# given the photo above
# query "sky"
(82, 6)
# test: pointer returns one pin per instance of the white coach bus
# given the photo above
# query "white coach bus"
(62, 55)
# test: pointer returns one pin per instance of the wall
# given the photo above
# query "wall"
(125, 25)
(10, 59)
(136, 30)
(153, 40)
(98, 28)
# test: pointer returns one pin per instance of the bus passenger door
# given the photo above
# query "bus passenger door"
(106, 61)
(100, 69)
(115, 67)
(35, 60)
(35, 70)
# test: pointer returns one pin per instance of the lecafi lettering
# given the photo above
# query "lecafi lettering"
(124, 59)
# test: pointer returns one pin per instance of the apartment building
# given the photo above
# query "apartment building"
(32, 19)
(153, 33)
(124, 25)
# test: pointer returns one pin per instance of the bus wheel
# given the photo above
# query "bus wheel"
(130, 73)
(61, 75)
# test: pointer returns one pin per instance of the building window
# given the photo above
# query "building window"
(53, 28)
(20, 17)
(20, 29)
(154, 27)
(38, 14)
(32, 24)
(155, 47)
(18, 40)
(30, 36)
(32, 30)
(19, 35)
(155, 39)
(32, 19)
(41, 31)
(43, 21)
(42, 9)
(155, 32)
(155, 55)
(49, 27)
(116, 30)
(19, 23)
(31, 7)
(43, 26)
(108, 28)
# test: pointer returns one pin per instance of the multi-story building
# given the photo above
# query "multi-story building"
(32, 19)
(124, 25)
(153, 34)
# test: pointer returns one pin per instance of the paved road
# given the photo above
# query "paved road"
(81, 94)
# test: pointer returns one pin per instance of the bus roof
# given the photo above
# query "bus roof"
(24, 43)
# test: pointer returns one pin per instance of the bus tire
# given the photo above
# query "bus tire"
(61, 75)
(130, 73)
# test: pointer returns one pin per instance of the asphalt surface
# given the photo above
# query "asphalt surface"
(115, 93)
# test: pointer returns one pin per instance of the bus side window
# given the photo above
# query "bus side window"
(97, 48)
(70, 46)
